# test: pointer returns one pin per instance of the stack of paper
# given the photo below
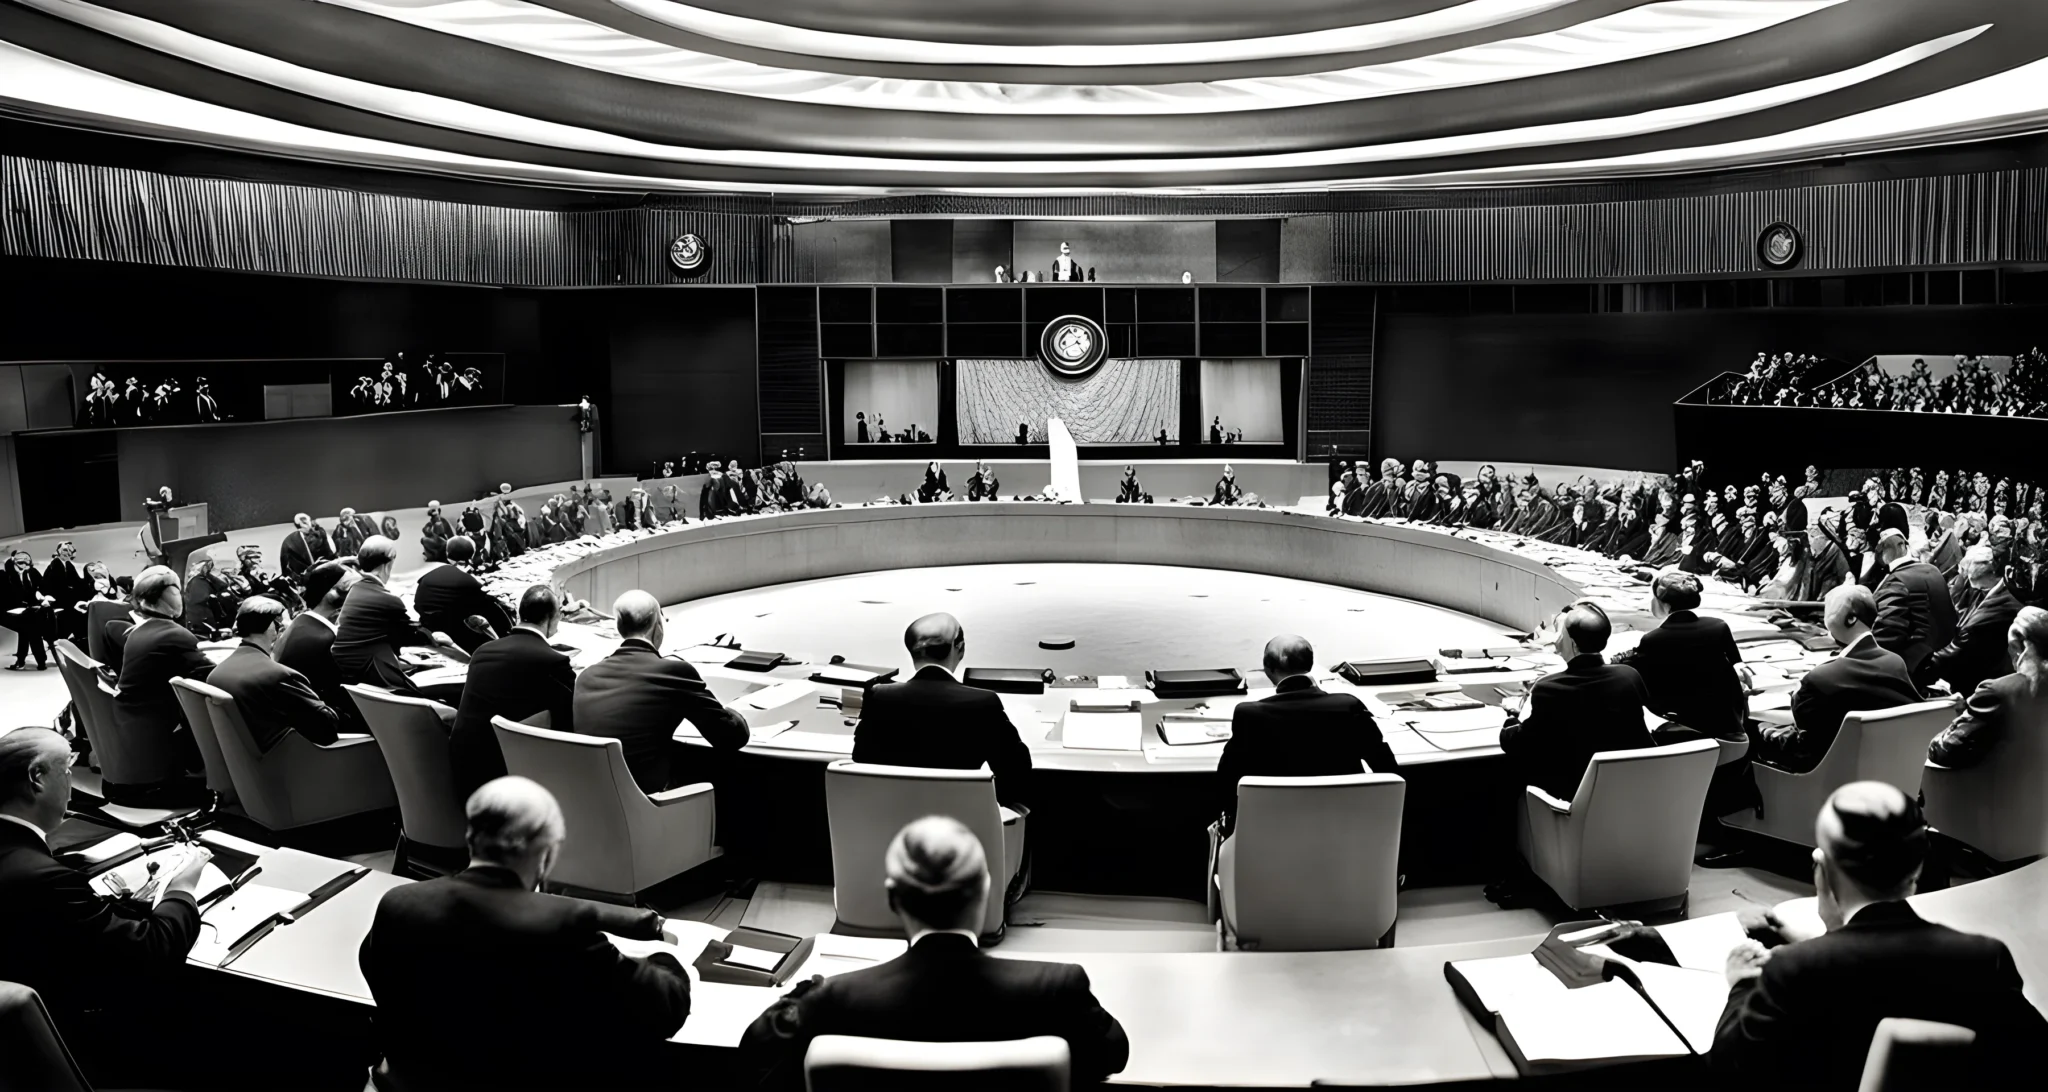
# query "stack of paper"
(1101, 731)
(781, 701)
(1547, 1027)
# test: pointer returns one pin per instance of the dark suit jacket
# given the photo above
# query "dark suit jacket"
(1859, 679)
(513, 677)
(274, 699)
(302, 551)
(66, 583)
(1998, 709)
(932, 721)
(154, 653)
(456, 964)
(1301, 731)
(434, 538)
(638, 697)
(1915, 614)
(1806, 1022)
(1978, 651)
(374, 625)
(1588, 707)
(1688, 665)
(307, 647)
(943, 990)
(22, 590)
(445, 598)
(69, 945)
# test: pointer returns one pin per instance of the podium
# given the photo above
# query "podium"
(184, 521)
(176, 533)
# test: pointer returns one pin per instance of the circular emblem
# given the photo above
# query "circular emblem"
(1779, 246)
(1072, 346)
(689, 254)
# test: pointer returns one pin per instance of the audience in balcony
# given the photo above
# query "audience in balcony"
(1976, 387)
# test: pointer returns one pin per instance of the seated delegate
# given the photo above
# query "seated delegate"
(458, 964)
(449, 595)
(1978, 651)
(1570, 715)
(515, 677)
(2001, 708)
(1300, 731)
(1861, 677)
(274, 699)
(944, 988)
(639, 697)
(932, 719)
(157, 650)
(375, 624)
(1802, 1016)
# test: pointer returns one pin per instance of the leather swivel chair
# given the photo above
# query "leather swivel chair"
(1626, 836)
(124, 756)
(621, 841)
(1995, 807)
(853, 1063)
(219, 779)
(866, 804)
(1888, 745)
(413, 734)
(1313, 864)
(1907, 1055)
(297, 782)
(36, 1059)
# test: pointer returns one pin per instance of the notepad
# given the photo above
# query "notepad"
(1703, 944)
(1608, 1022)
(1692, 1000)
(758, 958)
(236, 916)
(774, 702)
(715, 655)
(1184, 730)
(1101, 731)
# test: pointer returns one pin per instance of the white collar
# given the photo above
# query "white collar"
(941, 667)
(1902, 559)
(972, 937)
(320, 618)
(41, 834)
(1866, 635)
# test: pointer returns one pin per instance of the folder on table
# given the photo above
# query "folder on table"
(855, 675)
(1388, 669)
(1008, 680)
(1199, 683)
(1548, 1027)
(755, 661)
(1102, 728)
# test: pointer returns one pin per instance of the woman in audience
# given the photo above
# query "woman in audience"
(934, 487)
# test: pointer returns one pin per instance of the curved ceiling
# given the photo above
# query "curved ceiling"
(1036, 96)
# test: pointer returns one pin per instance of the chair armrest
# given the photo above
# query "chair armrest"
(1553, 803)
(445, 712)
(345, 740)
(679, 793)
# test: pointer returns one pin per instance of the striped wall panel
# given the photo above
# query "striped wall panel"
(1338, 400)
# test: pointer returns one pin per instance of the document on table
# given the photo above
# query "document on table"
(1605, 1022)
(1703, 944)
(1433, 722)
(234, 917)
(782, 701)
(1692, 1000)
(715, 655)
(1186, 730)
(798, 740)
(833, 954)
(1102, 731)
(761, 959)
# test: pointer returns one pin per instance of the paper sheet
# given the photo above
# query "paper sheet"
(798, 740)
(1454, 720)
(1703, 944)
(1503, 980)
(761, 959)
(1607, 1020)
(1102, 731)
(775, 702)
(716, 655)
(232, 918)
(108, 848)
(1692, 1000)
(1183, 730)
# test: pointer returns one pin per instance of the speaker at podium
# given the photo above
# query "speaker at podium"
(173, 532)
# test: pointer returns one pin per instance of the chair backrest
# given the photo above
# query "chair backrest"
(1894, 741)
(36, 1058)
(192, 701)
(589, 778)
(1316, 860)
(415, 744)
(852, 1063)
(124, 757)
(97, 614)
(867, 804)
(1996, 806)
(263, 791)
(1641, 811)
(81, 675)
(1908, 1055)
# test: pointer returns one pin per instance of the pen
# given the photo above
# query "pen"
(231, 888)
(328, 890)
(249, 940)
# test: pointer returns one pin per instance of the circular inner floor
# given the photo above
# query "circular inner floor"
(1124, 619)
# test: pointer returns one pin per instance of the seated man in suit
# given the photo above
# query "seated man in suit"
(1693, 671)
(982, 484)
(1978, 651)
(1915, 614)
(350, 532)
(639, 697)
(71, 590)
(447, 597)
(307, 646)
(1129, 490)
(514, 677)
(1860, 678)
(1570, 715)
(944, 989)
(100, 971)
(156, 651)
(458, 963)
(1227, 490)
(1301, 731)
(375, 624)
(273, 698)
(304, 548)
(934, 720)
(2003, 707)
(1803, 1015)
(435, 535)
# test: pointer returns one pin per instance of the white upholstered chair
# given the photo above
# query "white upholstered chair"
(1998, 807)
(1626, 836)
(1888, 745)
(621, 840)
(1907, 1055)
(413, 734)
(852, 1063)
(867, 804)
(193, 703)
(297, 782)
(1313, 863)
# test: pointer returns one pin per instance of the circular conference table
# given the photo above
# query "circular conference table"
(1121, 821)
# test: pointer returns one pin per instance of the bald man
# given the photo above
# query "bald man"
(944, 989)
(1802, 1015)
(640, 697)
(1860, 678)
(1978, 651)
(934, 720)
(1301, 731)
(482, 983)
(62, 939)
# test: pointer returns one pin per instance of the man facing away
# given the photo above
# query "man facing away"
(944, 988)
(1570, 715)
(1300, 731)
(515, 677)
(458, 964)
(307, 646)
(274, 699)
(1803, 1015)
(448, 596)
(1915, 614)
(1860, 678)
(638, 697)
(375, 624)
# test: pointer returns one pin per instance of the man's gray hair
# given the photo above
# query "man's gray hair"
(510, 818)
(23, 751)
(376, 552)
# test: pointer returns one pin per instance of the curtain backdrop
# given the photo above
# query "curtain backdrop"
(1122, 402)
(1246, 395)
(900, 394)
